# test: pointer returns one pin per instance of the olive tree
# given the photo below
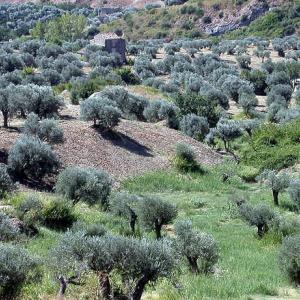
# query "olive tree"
(289, 258)
(17, 267)
(228, 130)
(260, 216)
(29, 157)
(155, 212)
(138, 262)
(276, 182)
(247, 101)
(84, 184)
(100, 110)
(8, 231)
(6, 183)
(125, 205)
(294, 191)
(194, 126)
(199, 248)
(46, 130)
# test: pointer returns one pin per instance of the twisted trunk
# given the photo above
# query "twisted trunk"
(140, 287)
(158, 226)
(193, 264)
(104, 286)
(275, 197)
(133, 219)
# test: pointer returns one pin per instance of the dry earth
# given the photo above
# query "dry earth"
(134, 147)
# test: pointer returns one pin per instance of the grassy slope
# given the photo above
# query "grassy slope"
(247, 266)
(171, 22)
(271, 25)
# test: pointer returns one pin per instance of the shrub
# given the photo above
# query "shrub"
(244, 61)
(203, 106)
(258, 79)
(29, 211)
(294, 192)
(84, 184)
(125, 205)
(185, 159)
(194, 126)
(7, 230)
(99, 109)
(17, 267)
(206, 19)
(260, 216)
(155, 212)
(199, 248)
(248, 102)
(46, 130)
(289, 258)
(31, 158)
(6, 184)
(248, 173)
(128, 76)
(277, 182)
(58, 214)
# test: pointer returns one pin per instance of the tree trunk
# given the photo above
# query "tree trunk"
(63, 288)
(193, 265)
(139, 288)
(275, 197)
(5, 119)
(104, 286)
(262, 229)
(158, 227)
(133, 219)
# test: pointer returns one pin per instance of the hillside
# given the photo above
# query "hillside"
(192, 19)
(134, 148)
(93, 3)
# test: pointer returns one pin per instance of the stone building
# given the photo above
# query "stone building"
(112, 43)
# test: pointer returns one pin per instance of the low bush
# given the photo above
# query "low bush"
(128, 76)
(194, 126)
(289, 258)
(6, 183)
(17, 267)
(58, 214)
(31, 158)
(248, 173)
(185, 159)
(7, 230)
(84, 184)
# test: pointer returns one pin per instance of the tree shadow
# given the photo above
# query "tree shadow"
(3, 156)
(123, 141)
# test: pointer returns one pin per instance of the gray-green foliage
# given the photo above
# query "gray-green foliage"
(30, 212)
(98, 108)
(194, 126)
(294, 191)
(125, 205)
(84, 184)
(289, 258)
(276, 182)
(248, 101)
(200, 249)
(155, 212)
(228, 130)
(46, 130)
(260, 216)
(6, 183)
(138, 262)
(7, 229)
(17, 267)
(31, 158)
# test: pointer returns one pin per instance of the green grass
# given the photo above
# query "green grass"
(247, 266)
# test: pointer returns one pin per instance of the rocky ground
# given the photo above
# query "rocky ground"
(133, 148)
